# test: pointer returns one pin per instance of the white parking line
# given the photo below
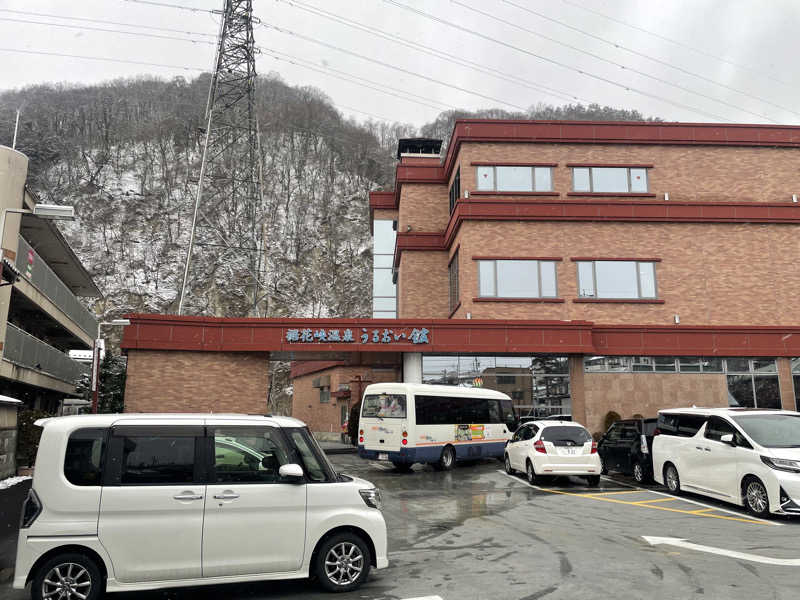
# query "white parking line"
(690, 501)
(425, 598)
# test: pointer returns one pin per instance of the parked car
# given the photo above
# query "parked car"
(626, 448)
(743, 456)
(137, 502)
(547, 448)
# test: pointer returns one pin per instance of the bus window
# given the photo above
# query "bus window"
(384, 406)
(494, 412)
(509, 417)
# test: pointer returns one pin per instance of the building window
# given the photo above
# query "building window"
(517, 279)
(617, 279)
(324, 395)
(609, 180)
(753, 382)
(455, 190)
(514, 179)
(452, 269)
(384, 291)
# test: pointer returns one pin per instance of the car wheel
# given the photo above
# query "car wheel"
(638, 473)
(447, 460)
(533, 479)
(593, 480)
(342, 562)
(69, 576)
(671, 479)
(756, 498)
(509, 468)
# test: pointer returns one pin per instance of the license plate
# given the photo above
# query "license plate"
(383, 456)
(570, 450)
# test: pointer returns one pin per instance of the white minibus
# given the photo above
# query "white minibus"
(407, 423)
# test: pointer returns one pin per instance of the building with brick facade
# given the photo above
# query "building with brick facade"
(579, 267)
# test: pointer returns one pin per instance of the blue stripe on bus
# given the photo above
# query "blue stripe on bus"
(431, 454)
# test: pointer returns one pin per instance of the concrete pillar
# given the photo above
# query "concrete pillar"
(786, 383)
(412, 367)
(577, 390)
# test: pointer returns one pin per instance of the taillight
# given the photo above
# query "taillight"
(361, 439)
(594, 447)
(405, 441)
(31, 509)
(643, 444)
(538, 445)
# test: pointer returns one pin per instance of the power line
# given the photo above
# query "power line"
(647, 56)
(100, 58)
(610, 62)
(374, 85)
(88, 28)
(178, 6)
(102, 21)
(390, 66)
(754, 70)
(554, 62)
(561, 95)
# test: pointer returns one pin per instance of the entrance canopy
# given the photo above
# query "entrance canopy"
(334, 339)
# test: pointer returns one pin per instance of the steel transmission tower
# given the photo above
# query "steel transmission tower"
(224, 253)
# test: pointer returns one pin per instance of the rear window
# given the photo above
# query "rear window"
(680, 425)
(83, 461)
(384, 406)
(562, 435)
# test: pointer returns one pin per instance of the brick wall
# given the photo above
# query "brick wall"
(426, 207)
(177, 381)
(629, 394)
(687, 173)
(422, 286)
(709, 274)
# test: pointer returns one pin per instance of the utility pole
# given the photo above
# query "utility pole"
(228, 205)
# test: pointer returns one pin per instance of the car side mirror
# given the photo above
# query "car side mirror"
(292, 472)
(727, 439)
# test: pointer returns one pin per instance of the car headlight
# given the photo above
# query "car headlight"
(782, 464)
(372, 497)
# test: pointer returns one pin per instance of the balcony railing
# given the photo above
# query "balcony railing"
(47, 282)
(23, 349)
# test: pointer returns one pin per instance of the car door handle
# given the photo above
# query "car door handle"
(226, 495)
(707, 449)
(699, 447)
(188, 496)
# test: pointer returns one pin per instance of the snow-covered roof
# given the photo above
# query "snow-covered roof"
(9, 400)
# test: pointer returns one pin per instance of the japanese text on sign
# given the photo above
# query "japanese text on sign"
(365, 336)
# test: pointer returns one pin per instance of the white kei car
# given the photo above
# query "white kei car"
(549, 448)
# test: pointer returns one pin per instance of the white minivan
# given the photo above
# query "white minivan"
(137, 502)
(749, 457)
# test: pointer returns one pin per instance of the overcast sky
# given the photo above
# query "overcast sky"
(735, 60)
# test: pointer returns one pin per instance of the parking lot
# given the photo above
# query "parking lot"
(477, 533)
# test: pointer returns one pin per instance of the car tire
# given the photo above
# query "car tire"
(77, 571)
(530, 474)
(756, 498)
(342, 562)
(671, 479)
(639, 474)
(593, 480)
(447, 460)
(509, 468)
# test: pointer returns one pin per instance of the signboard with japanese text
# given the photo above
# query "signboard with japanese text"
(358, 335)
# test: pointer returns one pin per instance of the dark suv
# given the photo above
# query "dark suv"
(627, 447)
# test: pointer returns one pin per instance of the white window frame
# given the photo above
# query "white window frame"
(591, 189)
(533, 178)
(638, 279)
(538, 265)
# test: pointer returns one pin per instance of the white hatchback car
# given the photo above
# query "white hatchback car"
(748, 457)
(137, 502)
(545, 448)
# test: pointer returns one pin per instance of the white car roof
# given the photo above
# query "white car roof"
(551, 422)
(434, 390)
(727, 412)
(107, 420)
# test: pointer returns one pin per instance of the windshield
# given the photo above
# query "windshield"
(317, 466)
(772, 431)
(562, 435)
(384, 406)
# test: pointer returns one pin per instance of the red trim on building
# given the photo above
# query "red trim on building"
(585, 258)
(506, 194)
(618, 301)
(494, 299)
(470, 336)
(612, 165)
(417, 240)
(517, 258)
(485, 163)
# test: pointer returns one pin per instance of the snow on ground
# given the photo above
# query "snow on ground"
(7, 483)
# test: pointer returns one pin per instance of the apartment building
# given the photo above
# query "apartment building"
(41, 315)
(580, 267)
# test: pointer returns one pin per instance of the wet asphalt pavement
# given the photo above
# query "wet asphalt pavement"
(477, 533)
